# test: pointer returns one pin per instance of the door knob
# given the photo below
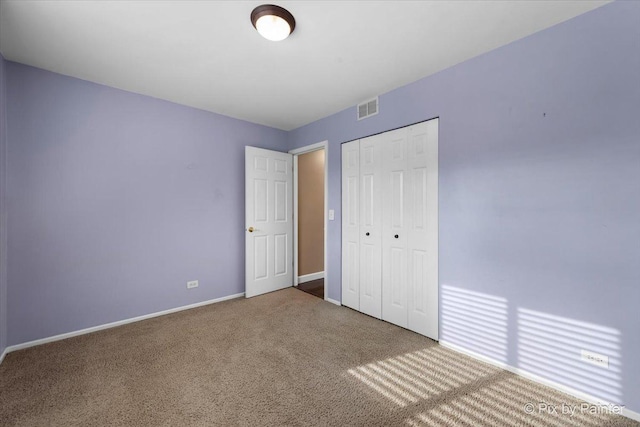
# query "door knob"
(367, 233)
(396, 236)
(250, 229)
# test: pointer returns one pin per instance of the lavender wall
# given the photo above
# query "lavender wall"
(116, 200)
(3, 208)
(539, 198)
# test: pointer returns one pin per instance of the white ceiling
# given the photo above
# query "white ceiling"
(206, 54)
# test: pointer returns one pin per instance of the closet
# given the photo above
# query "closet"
(390, 226)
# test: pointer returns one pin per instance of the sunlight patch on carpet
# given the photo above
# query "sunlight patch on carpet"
(411, 377)
(505, 402)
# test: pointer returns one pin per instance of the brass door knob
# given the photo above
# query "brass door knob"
(250, 229)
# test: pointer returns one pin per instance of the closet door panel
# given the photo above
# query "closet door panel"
(371, 226)
(394, 228)
(351, 224)
(423, 223)
(390, 227)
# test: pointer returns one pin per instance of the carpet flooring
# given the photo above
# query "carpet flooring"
(313, 287)
(285, 358)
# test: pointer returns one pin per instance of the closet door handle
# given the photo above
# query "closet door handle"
(396, 236)
(367, 233)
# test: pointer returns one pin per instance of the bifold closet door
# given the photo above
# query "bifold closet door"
(351, 224)
(422, 241)
(410, 228)
(395, 218)
(371, 197)
(390, 227)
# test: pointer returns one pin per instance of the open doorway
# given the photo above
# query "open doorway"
(309, 219)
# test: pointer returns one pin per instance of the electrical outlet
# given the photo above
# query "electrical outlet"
(192, 284)
(595, 359)
(332, 214)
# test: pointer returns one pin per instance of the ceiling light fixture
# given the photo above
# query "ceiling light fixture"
(273, 22)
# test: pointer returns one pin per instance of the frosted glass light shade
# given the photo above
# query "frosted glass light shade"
(273, 22)
(273, 28)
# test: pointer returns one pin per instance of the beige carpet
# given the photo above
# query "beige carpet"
(286, 358)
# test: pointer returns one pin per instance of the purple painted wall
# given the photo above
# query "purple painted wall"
(116, 200)
(539, 198)
(3, 207)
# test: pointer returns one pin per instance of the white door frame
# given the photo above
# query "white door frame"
(324, 145)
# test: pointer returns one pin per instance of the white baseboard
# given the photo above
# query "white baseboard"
(631, 414)
(533, 377)
(115, 324)
(4, 353)
(309, 277)
(332, 301)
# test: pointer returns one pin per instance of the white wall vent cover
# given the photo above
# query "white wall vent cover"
(368, 108)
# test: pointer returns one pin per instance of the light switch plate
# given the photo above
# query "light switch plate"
(332, 214)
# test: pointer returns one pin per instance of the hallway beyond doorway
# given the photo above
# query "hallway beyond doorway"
(314, 287)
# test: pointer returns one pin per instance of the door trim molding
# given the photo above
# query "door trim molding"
(323, 145)
(310, 148)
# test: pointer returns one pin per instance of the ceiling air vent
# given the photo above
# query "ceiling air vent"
(368, 108)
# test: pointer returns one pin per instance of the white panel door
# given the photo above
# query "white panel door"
(423, 234)
(371, 226)
(269, 221)
(351, 224)
(396, 209)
